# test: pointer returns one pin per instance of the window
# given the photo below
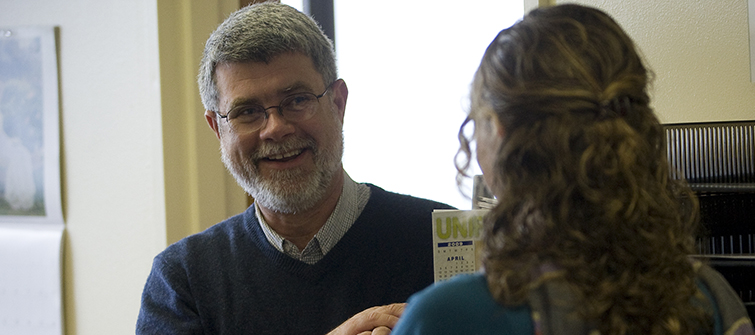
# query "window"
(408, 66)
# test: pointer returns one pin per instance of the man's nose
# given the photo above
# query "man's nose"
(276, 127)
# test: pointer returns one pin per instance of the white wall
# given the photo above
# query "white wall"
(699, 51)
(111, 153)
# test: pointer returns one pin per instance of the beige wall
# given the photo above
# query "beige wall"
(199, 191)
(699, 51)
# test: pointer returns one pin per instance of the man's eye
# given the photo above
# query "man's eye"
(299, 101)
(247, 113)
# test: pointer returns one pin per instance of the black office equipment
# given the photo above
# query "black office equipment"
(718, 161)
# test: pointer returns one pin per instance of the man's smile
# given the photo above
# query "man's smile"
(286, 156)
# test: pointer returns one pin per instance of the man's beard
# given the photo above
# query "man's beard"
(292, 190)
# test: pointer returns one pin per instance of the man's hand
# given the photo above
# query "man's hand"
(382, 330)
(380, 319)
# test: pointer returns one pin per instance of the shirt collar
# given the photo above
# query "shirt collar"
(353, 199)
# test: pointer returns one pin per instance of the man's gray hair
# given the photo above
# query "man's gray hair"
(258, 33)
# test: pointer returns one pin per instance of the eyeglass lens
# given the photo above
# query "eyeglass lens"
(297, 107)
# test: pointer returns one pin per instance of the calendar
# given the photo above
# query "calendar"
(457, 242)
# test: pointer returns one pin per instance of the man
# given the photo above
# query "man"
(316, 250)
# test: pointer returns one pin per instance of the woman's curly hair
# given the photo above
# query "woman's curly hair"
(581, 177)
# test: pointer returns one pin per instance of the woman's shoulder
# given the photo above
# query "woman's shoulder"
(459, 305)
(730, 314)
(460, 288)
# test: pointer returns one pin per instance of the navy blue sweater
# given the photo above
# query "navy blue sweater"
(230, 280)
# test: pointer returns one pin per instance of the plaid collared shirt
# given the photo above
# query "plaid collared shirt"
(353, 198)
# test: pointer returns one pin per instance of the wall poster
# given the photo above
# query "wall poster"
(31, 221)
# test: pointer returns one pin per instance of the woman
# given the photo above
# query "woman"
(589, 233)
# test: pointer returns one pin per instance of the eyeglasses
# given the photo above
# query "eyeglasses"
(293, 108)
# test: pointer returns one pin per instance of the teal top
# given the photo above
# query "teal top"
(461, 305)
(464, 305)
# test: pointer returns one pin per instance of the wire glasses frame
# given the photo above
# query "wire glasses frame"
(293, 108)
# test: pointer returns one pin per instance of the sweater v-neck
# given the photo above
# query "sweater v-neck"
(358, 233)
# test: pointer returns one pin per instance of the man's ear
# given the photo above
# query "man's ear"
(499, 129)
(212, 121)
(340, 95)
